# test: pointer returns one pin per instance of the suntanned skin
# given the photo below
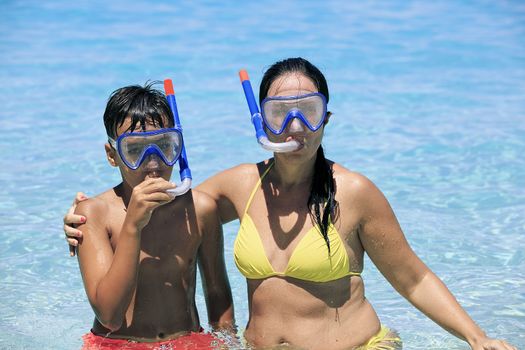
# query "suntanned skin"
(162, 303)
(139, 253)
(331, 315)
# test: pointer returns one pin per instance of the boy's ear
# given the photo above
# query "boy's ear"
(328, 115)
(111, 155)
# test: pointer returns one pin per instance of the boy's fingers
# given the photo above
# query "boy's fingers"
(71, 251)
(157, 181)
(158, 186)
(145, 185)
(158, 197)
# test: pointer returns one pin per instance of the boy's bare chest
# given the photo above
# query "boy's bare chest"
(169, 243)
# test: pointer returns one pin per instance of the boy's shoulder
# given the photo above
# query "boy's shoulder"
(204, 203)
(207, 214)
(196, 209)
(201, 203)
(96, 206)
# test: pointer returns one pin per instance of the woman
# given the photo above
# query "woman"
(306, 223)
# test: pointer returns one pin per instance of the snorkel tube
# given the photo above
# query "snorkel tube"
(257, 120)
(184, 168)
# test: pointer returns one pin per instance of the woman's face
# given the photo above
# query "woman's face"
(295, 84)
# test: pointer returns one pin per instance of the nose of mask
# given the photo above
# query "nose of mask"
(296, 125)
(152, 161)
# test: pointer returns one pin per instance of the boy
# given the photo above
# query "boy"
(139, 249)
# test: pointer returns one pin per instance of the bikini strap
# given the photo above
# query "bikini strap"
(259, 182)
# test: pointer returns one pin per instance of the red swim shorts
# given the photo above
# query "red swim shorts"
(192, 341)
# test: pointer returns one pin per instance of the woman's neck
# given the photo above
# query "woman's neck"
(291, 173)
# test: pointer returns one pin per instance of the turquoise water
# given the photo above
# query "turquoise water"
(428, 101)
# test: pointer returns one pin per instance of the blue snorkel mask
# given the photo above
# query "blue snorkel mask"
(135, 147)
(279, 111)
(167, 144)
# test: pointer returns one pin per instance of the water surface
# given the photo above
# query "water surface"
(428, 101)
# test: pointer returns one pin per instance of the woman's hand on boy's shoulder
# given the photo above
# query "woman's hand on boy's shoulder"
(71, 220)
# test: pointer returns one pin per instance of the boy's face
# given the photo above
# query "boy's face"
(152, 166)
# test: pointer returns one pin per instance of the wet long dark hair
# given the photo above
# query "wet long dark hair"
(321, 202)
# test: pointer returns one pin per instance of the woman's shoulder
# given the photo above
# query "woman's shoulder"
(239, 172)
(352, 183)
(242, 169)
(246, 169)
(349, 177)
(231, 182)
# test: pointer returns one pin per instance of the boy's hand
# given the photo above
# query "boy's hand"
(146, 197)
(70, 220)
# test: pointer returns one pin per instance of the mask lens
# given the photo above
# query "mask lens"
(313, 108)
(274, 112)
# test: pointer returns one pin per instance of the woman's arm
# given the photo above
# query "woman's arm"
(216, 285)
(226, 188)
(387, 247)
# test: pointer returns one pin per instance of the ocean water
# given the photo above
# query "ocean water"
(428, 101)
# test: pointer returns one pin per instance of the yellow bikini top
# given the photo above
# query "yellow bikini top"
(310, 260)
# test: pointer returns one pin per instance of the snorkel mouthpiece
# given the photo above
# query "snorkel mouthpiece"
(257, 120)
(184, 168)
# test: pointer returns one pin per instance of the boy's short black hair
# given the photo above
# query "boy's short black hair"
(143, 104)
